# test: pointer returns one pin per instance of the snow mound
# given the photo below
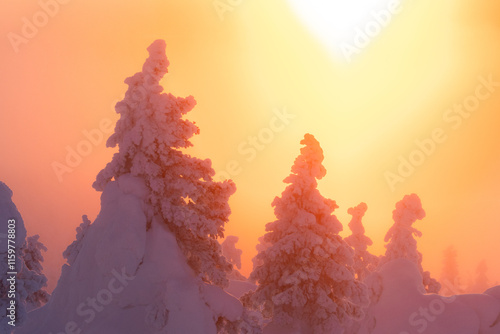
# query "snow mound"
(128, 278)
(223, 304)
(403, 307)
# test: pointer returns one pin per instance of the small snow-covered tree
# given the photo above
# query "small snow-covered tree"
(151, 136)
(401, 243)
(34, 281)
(72, 250)
(233, 255)
(306, 278)
(29, 283)
(364, 261)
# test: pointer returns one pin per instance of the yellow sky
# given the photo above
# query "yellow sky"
(259, 61)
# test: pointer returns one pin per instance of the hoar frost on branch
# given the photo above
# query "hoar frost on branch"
(305, 275)
(151, 134)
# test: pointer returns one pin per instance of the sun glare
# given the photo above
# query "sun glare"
(334, 22)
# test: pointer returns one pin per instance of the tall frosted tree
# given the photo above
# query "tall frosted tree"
(401, 242)
(305, 276)
(364, 261)
(152, 136)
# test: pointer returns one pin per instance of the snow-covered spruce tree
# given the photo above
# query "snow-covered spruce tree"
(30, 280)
(233, 255)
(33, 279)
(364, 261)
(401, 243)
(305, 279)
(151, 134)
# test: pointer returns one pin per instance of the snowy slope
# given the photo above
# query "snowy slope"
(129, 280)
(402, 307)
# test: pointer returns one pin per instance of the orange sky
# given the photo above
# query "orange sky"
(261, 58)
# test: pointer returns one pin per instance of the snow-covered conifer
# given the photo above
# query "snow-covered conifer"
(401, 243)
(364, 261)
(306, 278)
(151, 135)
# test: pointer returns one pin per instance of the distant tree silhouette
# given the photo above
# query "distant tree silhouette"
(482, 282)
(450, 277)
